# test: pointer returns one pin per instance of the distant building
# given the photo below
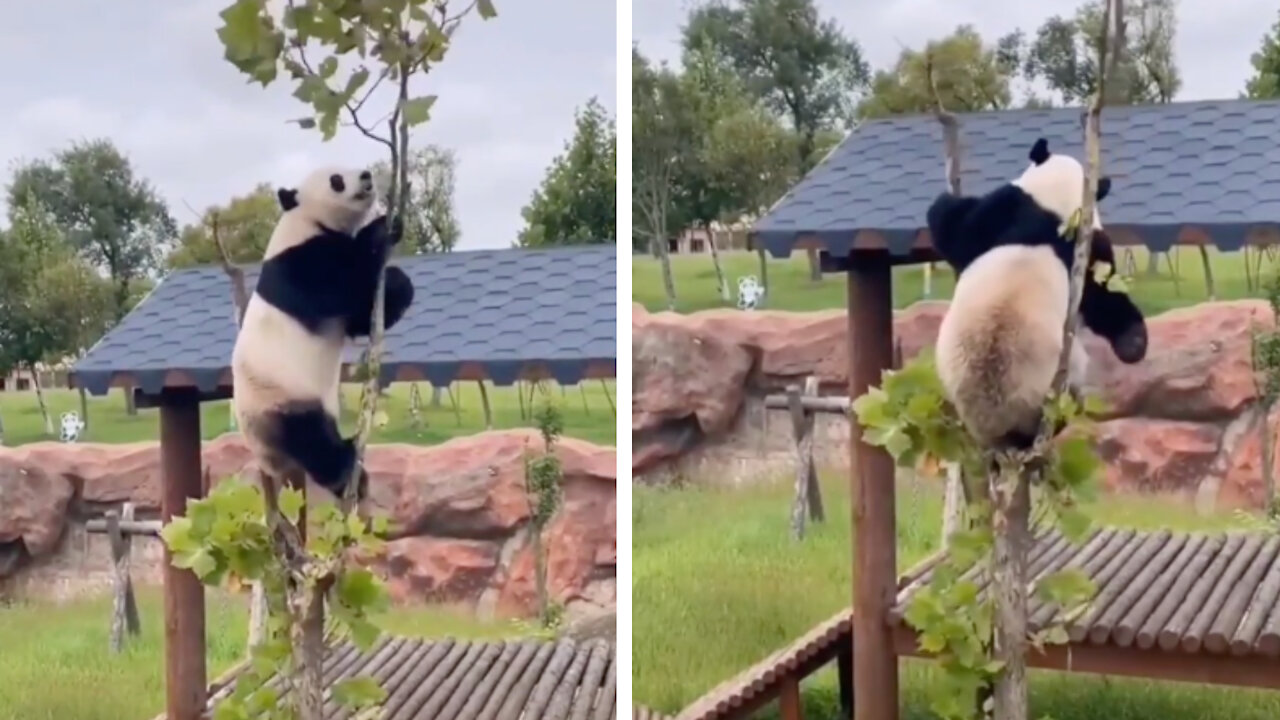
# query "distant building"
(697, 241)
(51, 376)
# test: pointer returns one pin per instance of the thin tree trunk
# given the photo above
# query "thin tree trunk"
(1153, 264)
(436, 392)
(1008, 582)
(540, 573)
(668, 283)
(764, 272)
(484, 402)
(44, 409)
(1, 429)
(84, 408)
(952, 504)
(722, 285)
(308, 657)
(130, 406)
(1268, 458)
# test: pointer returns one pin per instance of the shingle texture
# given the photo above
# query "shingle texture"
(500, 309)
(1211, 164)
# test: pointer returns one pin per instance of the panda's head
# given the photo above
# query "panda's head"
(336, 198)
(1056, 183)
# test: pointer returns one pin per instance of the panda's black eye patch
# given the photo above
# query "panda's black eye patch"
(337, 183)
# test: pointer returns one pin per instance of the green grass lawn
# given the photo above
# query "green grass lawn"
(55, 665)
(791, 289)
(585, 409)
(718, 585)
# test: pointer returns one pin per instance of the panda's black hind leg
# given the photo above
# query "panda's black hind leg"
(310, 437)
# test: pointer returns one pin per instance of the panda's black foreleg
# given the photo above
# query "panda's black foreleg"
(309, 436)
(399, 295)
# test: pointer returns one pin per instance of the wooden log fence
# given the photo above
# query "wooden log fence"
(120, 527)
(802, 405)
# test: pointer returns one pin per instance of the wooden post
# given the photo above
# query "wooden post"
(488, 411)
(875, 666)
(808, 496)
(789, 700)
(184, 628)
(124, 607)
(844, 672)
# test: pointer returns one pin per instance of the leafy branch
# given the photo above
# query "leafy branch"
(543, 479)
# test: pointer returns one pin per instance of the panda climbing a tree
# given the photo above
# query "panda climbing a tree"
(316, 288)
(1000, 341)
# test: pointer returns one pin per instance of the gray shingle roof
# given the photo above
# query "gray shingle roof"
(502, 311)
(1212, 164)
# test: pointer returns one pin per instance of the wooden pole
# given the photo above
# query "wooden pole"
(184, 643)
(875, 665)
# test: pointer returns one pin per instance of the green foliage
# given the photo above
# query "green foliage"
(243, 225)
(113, 220)
(52, 303)
(970, 76)
(311, 38)
(227, 538)
(577, 202)
(910, 417)
(543, 474)
(1265, 82)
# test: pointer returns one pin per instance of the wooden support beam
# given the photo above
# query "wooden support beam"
(844, 675)
(871, 476)
(184, 621)
(127, 527)
(789, 699)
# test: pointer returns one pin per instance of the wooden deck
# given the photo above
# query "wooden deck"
(519, 680)
(1189, 607)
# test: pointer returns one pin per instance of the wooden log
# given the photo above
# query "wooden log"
(557, 707)
(378, 658)
(418, 670)
(808, 497)
(515, 698)
(1107, 624)
(484, 689)
(450, 700)
(827, 404)
(1174, 584)
(817, 513)
(541, 695)
(1114, 580)
(1193, 638)
(591, 681)
(1090, 560)
(608, 697)
(1171, 633)
(1269, 639)
(1266, 599)
(789, 699)
(435, 688)
(525, 653)
(1236, 601)
(127, 527)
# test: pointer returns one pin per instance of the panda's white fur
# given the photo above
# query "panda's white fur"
(318, 275)
(999, 343)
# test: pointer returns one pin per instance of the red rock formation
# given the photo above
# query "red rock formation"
(1170, 411)
(454, 508)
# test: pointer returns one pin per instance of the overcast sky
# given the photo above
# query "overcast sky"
(1214, 40)
(150, 75)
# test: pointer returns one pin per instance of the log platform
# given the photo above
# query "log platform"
(1188, 607)
(527, 679)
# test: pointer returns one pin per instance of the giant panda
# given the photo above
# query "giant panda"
(315, 289)
(999, 343)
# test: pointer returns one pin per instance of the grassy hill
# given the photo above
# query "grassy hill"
(718, 585)
(791, 289)
(585, 410)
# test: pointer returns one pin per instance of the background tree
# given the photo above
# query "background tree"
(803, 67)
(111, 217)
(735, 147)
(1265, 82)
(577, 203)
(970, 75)
(52, 303)
(660, 136)
(1064, 54)
(244, 225)
(430, 217)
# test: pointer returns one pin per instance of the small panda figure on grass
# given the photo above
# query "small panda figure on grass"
(1013, 248)
(316, 289)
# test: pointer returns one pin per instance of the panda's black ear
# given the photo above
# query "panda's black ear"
(288, 198)
(1104, 187)
(1039, 151)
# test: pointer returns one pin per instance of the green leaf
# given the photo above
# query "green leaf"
(358, 692)
(200, 562)
(418, 110)
(328, 67)
(486, 9)
(1056, 635)
(1073, 523)
(291, 502)
(363, 633)
(177, 535)
(358, 588)
(1066, 587)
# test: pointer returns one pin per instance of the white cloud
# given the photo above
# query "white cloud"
(150, 75)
